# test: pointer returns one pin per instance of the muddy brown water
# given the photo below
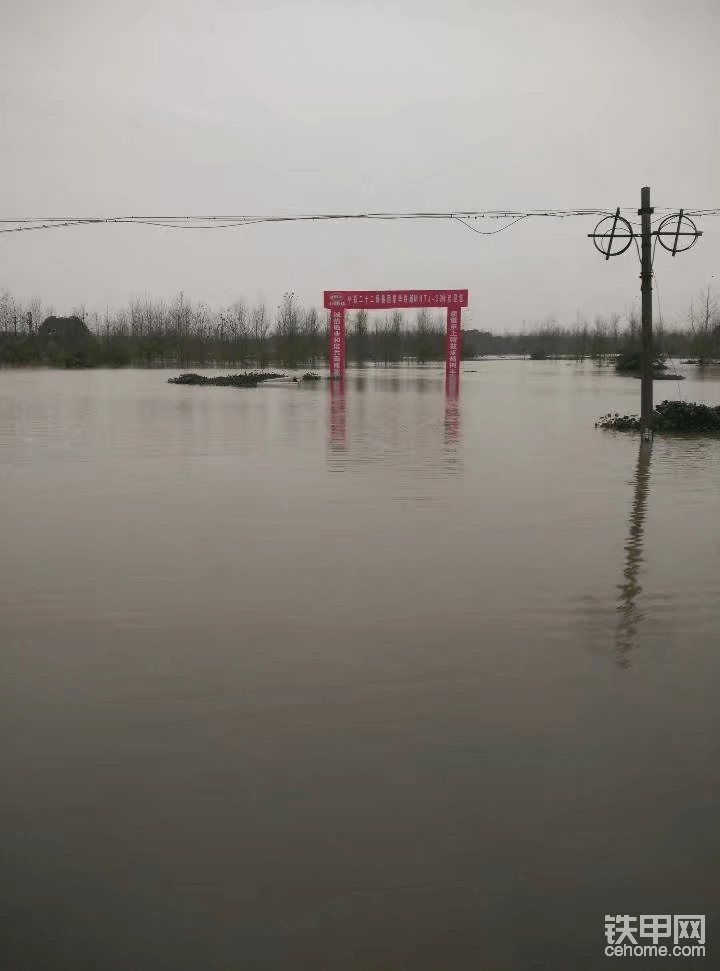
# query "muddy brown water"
(364, 680)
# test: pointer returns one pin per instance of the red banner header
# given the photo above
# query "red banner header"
(393, 299)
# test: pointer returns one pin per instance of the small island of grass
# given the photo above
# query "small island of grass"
(250, 379)
(308, 376)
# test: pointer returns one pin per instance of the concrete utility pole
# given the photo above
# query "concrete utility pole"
(646, 389)
(614, 235)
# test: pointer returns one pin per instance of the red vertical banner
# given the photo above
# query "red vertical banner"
(337, 343)
(452, 351)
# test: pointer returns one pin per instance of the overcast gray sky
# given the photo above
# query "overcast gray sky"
(259, 107)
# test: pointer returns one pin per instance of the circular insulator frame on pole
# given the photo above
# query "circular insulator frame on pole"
(617, 231)
(675, 227)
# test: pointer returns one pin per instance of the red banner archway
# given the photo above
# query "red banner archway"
(338, 301)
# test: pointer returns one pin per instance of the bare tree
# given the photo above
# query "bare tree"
(8, 313)
(360, 336)
(395, 336)
(233, 325)
(137, 318)
(288, 316)
(259, 326)
(703, 323)
(311, 334)
(599, 340)
(421, 335)
(287, 329)
(237, 321)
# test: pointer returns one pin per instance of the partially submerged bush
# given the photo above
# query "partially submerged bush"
(619, 423)
(248, 380)
(687, 416)
(670, 416)
(629, 361)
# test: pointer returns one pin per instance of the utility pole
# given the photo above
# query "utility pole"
(614, 235)
(646, 389)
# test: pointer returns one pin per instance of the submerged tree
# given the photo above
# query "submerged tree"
(359, 336)
(704, 326)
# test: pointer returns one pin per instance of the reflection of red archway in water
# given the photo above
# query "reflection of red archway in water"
(338, 301)
(338, 419)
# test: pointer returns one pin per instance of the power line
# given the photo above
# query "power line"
(425, 214)
(231, 222)
(512, 216)
(490, 232)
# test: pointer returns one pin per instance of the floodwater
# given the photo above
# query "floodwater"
(370, 680)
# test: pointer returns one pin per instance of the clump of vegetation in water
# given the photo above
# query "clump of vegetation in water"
(619, 423)
(630, 362)
(670, 416)
(310, 376)
(249, 380)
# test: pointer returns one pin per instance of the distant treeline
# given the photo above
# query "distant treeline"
(184, 334)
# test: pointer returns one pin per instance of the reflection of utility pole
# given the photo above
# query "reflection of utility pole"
(630, 613)
(646, 389)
